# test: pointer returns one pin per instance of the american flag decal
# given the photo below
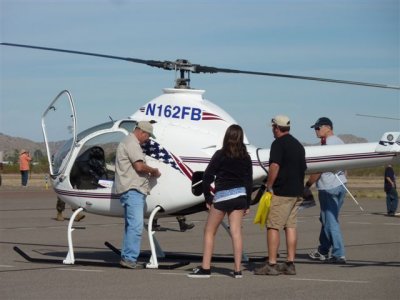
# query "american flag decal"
(210, 116)
(156, 151)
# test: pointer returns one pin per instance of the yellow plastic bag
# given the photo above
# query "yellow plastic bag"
(263, 209)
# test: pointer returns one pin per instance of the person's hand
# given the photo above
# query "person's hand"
(246, 212)
(308, 198)
(156, 173)
(208, 205)
(307, 193)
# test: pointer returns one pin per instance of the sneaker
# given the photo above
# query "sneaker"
(200, 273)
(315, 254)
(130, 265)
(336, 260)
(267, 269)
(237, 274)
(287, 268)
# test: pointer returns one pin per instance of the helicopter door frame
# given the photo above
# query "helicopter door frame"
(50, 157)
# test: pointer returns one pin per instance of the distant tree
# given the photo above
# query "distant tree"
(14, 157)
(38, 155)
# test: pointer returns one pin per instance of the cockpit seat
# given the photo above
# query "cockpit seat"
(88, 169)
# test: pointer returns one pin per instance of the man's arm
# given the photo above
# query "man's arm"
(390, 181)
(313, 178)
(141, 167)
(272, 174)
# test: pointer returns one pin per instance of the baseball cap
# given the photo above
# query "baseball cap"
(147, 127)
(281, 120)
(322, 121)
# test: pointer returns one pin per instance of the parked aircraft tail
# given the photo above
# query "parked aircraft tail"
(390, 142)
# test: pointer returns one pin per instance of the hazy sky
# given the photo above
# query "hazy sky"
(350, 40)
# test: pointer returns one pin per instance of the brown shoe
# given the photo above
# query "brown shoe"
(60, 217)
(287, 268)
(267, 269)
(79, 217)
(131, 265)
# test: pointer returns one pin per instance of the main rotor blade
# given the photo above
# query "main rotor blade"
(153, 63)
(186, 66)
(206, 69)
(378, 117)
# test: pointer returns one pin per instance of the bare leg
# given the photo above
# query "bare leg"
(214, 218)
(291, 243)
(235, 225)
(273, 239)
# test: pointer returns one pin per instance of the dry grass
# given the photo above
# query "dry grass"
(14, 181)
(366, 187)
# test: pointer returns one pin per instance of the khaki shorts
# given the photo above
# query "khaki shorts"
(283, 212)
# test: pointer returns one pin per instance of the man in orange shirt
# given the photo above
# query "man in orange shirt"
(24, 161)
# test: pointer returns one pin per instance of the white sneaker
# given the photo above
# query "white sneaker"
(315, 254)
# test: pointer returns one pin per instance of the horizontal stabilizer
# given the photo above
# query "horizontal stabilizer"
(390, 142)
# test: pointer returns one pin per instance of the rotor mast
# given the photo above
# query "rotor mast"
(184, 68)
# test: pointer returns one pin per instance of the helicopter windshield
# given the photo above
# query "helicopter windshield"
(58, 124)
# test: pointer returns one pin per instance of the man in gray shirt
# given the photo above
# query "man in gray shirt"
(331, 193)
(132, 183)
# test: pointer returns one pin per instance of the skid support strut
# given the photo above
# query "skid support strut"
(153, 262)
(70, 258)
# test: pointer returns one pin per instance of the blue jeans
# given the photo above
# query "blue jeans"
(330, 236)
(24, 177)
(392, 200)
(133, 203)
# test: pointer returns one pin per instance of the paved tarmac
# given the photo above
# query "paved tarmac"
(27, 220)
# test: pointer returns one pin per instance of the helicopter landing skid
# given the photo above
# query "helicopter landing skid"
(156, 250)
(59, 261)
(169, 267)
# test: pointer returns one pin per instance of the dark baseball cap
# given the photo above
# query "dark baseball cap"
(322, 121)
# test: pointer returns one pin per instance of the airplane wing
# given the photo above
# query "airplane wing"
(352, 156)
(331, 158)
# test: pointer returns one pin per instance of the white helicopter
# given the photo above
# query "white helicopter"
(82, 170)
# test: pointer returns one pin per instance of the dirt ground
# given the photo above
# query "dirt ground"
(363, 187)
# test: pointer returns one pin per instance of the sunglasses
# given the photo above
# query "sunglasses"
(317, 128)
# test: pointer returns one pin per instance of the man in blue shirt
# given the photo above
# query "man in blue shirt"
(392, 198)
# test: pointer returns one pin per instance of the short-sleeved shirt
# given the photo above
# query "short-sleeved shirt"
(328, 180)
(126, 178)
(24, 160)
(389, 173)
(289, 154)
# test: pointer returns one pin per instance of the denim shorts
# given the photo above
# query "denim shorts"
(239, 203)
